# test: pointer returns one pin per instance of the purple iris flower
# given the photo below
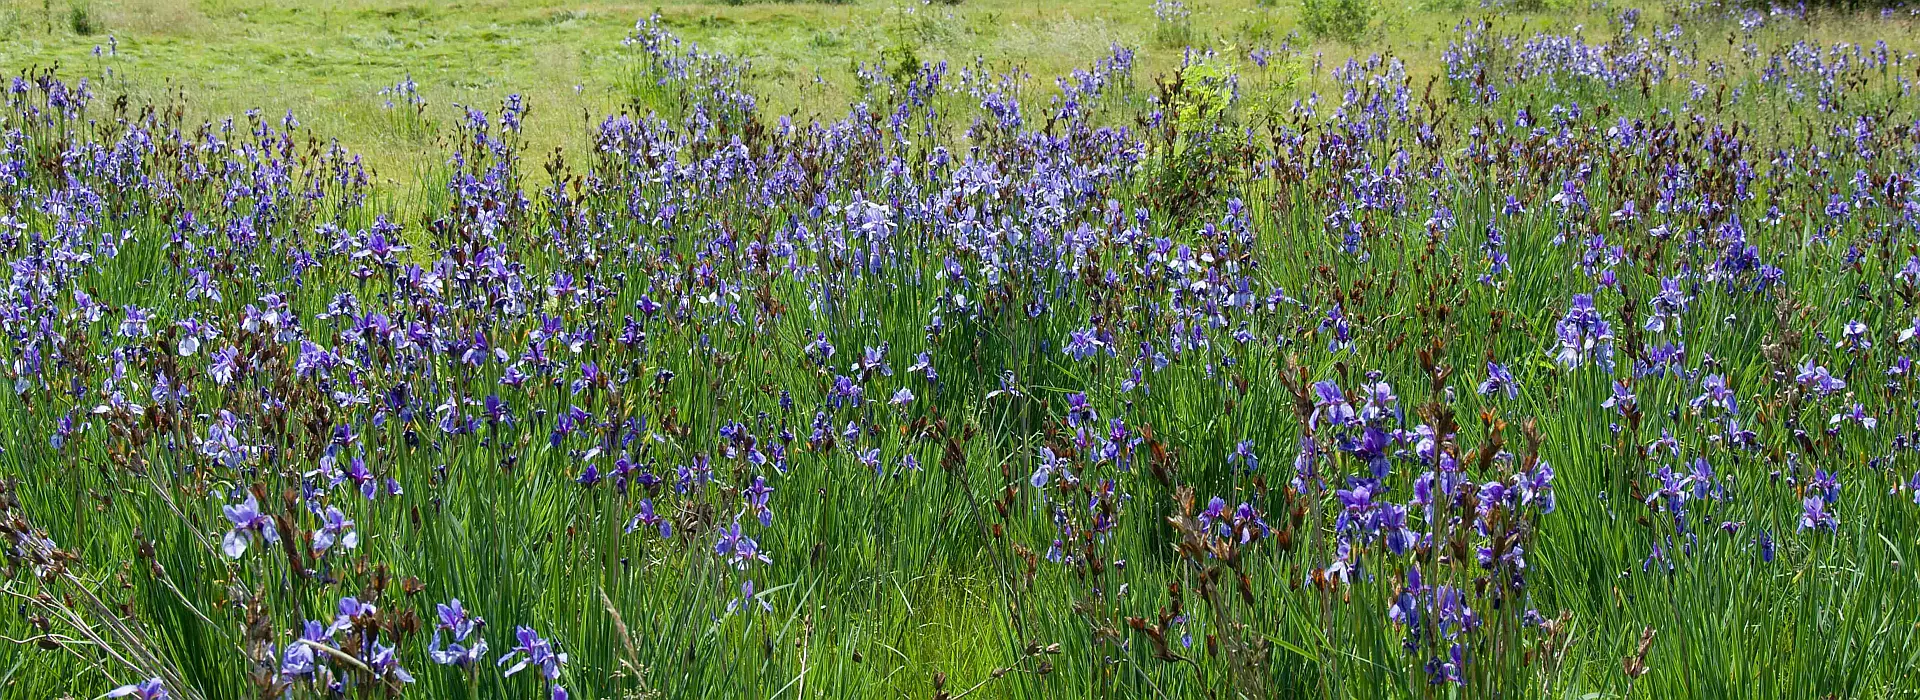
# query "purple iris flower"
(386, 665)
(1078, 410)
(1853, 336)
(1500, 379)
(747, 598)
(300, 658)
(334, 527)
(357, 472)
(739, 549)
(247, 521)
(647, 517)
(150, 689)
(1084, 344)
(873, 361)
(350, 609)
(1340, 333)
(1372, 447)
(1667, 306)
(1622, 399)
(923, 363)
(1584, 336)
(224, 365)
(1243, 454)
(1715, 393)
(1909, 333)
(1048, 463)
(1331, 403)
(532, 651)
(1818, 379)
(1814, 515)
(1857, 414)
(758, 496)
(456, 620)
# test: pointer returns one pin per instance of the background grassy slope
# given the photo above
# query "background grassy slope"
(327, 61)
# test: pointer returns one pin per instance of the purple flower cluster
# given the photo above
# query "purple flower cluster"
(721, 351)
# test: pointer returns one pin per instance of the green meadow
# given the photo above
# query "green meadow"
(992, 348)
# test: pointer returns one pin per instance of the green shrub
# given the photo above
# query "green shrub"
(902, 60)
(80, 19)
(1199, 145)
(1344, 20)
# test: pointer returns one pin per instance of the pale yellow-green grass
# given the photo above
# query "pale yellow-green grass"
(327, 60)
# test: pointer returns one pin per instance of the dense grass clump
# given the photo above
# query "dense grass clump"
(1345, 20)
(1572, 365)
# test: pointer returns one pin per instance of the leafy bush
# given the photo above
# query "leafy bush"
(80, 19)
(902, 60)
(1200, 143)
(1344, 20)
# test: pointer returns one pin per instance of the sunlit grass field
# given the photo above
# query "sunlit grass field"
(328, 61)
